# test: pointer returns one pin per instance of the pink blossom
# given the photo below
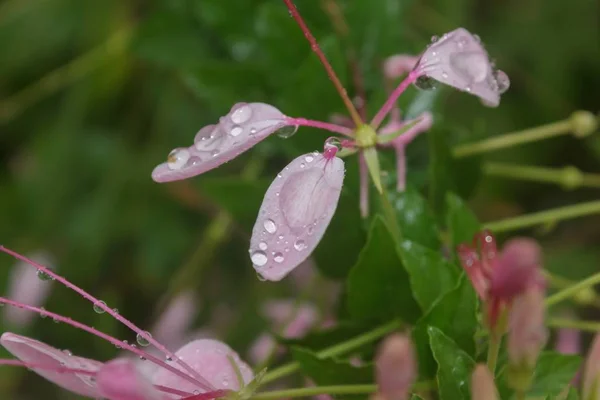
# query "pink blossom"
(399, 65)
(591, 375)
(396, 367)
(526, 329)
(482, 384)
(174, 323)
(26, 285)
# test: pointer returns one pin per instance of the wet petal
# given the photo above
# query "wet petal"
(245, 125)
(119, 380)
(32, 351)
(459, 59)
(280, 312)
(209, 358)
(398, 65)
(295, 213)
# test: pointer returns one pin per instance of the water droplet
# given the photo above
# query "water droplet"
(260, 277)
(279, 176)
(472, 65)
(477, 38)
(468, 89)
(43, 312)
(178, 158)
(42, 276)
(280, 237)
(142, 341)
(214, 153)
(67, 352)
(332, 142)
(286, 131)
(116, 310)
(309, 158)
(225, 382)
(196, 391)
(259, 258)
(278, 257)
(502, 81)
(311, 229)
(241, 115)
(424, 82)
(262, 246)
(142, 358)
(444, 75)
(252, 131)
(299, 244)
(55, 320)
(302, 165)
(98, 307)
(236, 130)
(270, 226)
(434, 38)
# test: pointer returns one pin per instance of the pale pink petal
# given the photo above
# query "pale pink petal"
(35, 352)
(26, 287)
(210, 359)
(459, 59)
(119, 380)
(398, 65)
(295, 213)
(245, 125)
(395, 367)
(261, 348)
(174, 323)
(280, 311)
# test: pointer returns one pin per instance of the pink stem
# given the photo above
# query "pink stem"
(102, 335)
(330, 72)
(217, 394)
(169, 390)
(321, 125)
(364, 187)
(400, 167)
(118, 317)
(389, 103)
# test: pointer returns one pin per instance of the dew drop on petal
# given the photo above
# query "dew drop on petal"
(333, 142)
(142, 341)
(98, 307)
(67, 352)
(302, 165)
(214, 153)
(259, 258)
(278, 258)
(309, 158)
(260, 277)
(287, 131)
(299, 245)
(178, 158)
(42, 276)
(43, 312)
(236, 130)
(434, 39)
(270, 226)
(262, 246)
(502, 81)
(241, 115)
(424, 82)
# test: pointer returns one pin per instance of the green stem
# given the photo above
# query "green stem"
(313, 391)
(588, 326)
(573, 290)
(493, 351)
(514, 138)
(568, 177)
(336, 350)
(539, 218)
(520, 395)
(390, 217)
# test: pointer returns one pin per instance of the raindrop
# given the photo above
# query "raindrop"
(98, 307)
(43, 312)
(259, 258)
(236, 130)
(225, 382)
(434, 38)
(168, 358)
(333, 142)
(424, 82)
(444, 75)
(42, 276)
(302, 165)
(252, 131)
(311, 229)
(116, 310)
(214, 153)
(279, 176)
(468, 89)
(270, 226)
(280, 237)
(55, 320)
(178, 158)
(143, 341)
(278, 257)
(196, 391)
(309, 158)
(502, 81)
(262, 246)
(241, 115)
(142, 358)
(299, 244)
(477, 38)
(286, 131)
(67, 352)
(260, 277)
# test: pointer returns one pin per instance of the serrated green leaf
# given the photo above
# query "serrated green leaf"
(454, 366)
(431, 276)
(378, 285)
(460, 220)
(455, 314)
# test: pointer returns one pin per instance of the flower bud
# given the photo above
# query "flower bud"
(482, 384)
(527, 333)
(396, 367)
(591, 376)
(583, 123)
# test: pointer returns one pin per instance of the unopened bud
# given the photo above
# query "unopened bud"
(583, 123)
(396, 367)
(482, 384)
(591, 376)
(571, 178)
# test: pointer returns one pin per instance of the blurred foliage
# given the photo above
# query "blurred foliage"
(94, 94)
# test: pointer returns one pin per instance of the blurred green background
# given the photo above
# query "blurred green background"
(95, 93)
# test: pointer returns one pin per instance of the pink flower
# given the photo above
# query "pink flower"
(174, 323)
(526, 330)
(591, 375)
(396, 367)
(482, 384)
(27, 285)
(201, 366)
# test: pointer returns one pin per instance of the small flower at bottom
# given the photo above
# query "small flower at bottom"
(482, 384)
(295, 213)
(396, 367)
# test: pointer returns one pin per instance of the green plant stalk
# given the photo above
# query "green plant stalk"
(493, 351)
(569, 177)
(572, 290)
(539, 218)
(313, 391)
(336, 350)
(390, 217)
(587, 326)
(513, 139)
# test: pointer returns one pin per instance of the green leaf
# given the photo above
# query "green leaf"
(454, 366)
(415, 218)
(460, 220)
(573, 394)
(378, 285)
(553, 372)
(431, 276)
(455, 314)
(328, 371)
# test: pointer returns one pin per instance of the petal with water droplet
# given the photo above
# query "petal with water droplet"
(210, 359)
(300, 203)
(35, 352)
(459, 59)
(245, 125)
(120, 380)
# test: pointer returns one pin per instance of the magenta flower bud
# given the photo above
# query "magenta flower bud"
(398, 65)
(459, 59)
(245, 125)
(470, 262)
(526, 331)
(119, 380)
(396, 367)
(591, 375)
(482, 384)
(295, 213)
(27, 285)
